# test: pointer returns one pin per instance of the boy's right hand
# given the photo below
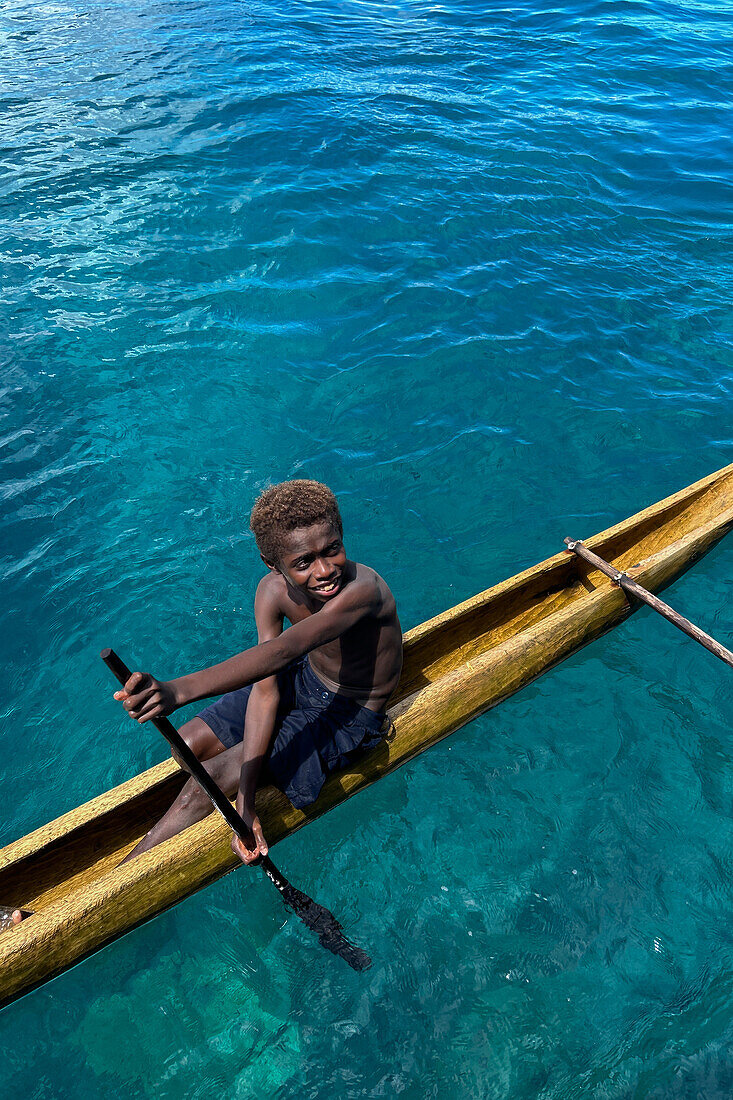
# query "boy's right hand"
(144, 697)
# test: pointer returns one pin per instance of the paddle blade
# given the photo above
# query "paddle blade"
(326, 927)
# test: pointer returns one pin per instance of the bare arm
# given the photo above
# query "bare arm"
(271, 656)
(259, 721)
(259, 725)
(145, 700)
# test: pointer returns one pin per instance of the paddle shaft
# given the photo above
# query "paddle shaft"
(314, 916)
(633, 588)
(194, 765)
(214, 792)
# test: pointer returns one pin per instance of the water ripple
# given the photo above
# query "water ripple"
(473, 269)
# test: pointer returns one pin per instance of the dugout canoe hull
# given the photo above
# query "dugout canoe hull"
(457, 665)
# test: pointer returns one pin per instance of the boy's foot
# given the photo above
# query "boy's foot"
(9, 918)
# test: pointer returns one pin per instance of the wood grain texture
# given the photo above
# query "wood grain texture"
(457, 665)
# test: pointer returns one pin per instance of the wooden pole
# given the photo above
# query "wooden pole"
(638, 592)
(316, 917)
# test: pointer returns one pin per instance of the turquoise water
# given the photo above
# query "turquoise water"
(472, 267)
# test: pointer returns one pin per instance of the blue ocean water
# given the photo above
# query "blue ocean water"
(471, 266)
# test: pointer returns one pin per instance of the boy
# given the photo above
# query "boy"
(317, 691)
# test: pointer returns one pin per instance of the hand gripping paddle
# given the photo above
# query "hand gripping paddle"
(314, 916)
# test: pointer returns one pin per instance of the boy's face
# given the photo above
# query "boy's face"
(313, 560)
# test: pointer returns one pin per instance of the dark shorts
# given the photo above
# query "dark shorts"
(316, 731)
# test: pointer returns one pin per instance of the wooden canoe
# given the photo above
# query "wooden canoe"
(457, 665)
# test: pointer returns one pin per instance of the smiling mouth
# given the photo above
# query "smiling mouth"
(331, 586)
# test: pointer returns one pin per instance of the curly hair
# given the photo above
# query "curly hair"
(287, 506)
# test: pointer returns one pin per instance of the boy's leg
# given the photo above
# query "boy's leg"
(201, 740)
(192, 804)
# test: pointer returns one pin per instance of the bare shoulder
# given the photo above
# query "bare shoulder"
(272, 594)
(374, 589)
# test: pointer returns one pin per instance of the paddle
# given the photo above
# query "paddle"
(314, 916)
(632, 588)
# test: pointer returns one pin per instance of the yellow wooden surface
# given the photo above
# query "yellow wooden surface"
(457, 665)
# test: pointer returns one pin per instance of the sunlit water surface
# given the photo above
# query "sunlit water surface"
(472, 267)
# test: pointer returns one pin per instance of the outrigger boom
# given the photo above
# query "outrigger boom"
(638, 592)
(456, 666)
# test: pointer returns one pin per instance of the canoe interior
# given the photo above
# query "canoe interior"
(489, 619)
(94, 838)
